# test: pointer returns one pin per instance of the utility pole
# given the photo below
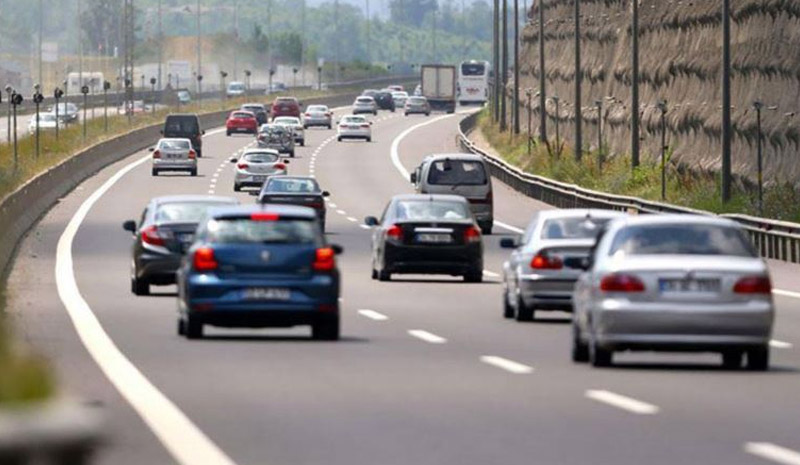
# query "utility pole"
(41, 31)
(504, 81)
(578, 79)
(635, 85)
(662, 106)
(496, 61)
(542, 78)
(303, 40)
(80, 45)
(128, 28)
(757, 106)
(199, 51)
(269, 34)
(433, 36)
(160, 44)
(236, 40)
(726, 101)
(516, 66)
(369, 51)
(336, 40)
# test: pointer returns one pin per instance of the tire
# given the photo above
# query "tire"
(330, 126)
(474, 276)
(228, 133)
(374, 113)
(523, 313)
(508, 310)
(194, 172)
(374, 274)
(580, 350)
(291, 154)
(303, 143)
(154, 172)
(237, 188)
(758, 359)
(384, 275)
(327, 330)
(369, 139)
(406, 114)
(193, 328)
(486, 230)
(732, 360)
(181, 327)
(427, 114)
(338, 139)
(600, 357)
(199, 154)
(140, 286)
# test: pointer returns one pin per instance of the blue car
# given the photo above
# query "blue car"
(259, 266)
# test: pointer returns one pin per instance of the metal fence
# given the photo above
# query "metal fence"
(773, 239)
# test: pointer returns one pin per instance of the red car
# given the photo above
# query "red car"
(286, 106)
(241, 121)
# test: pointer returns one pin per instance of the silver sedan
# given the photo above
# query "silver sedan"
(674, 283)
(535, 276)
(318, 115)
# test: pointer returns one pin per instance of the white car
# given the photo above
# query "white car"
(255, 165)
(365, 104)
(174, 155)
(399, 98)
(354, 127)
(236, 89)
(296, 125)
(47, 122)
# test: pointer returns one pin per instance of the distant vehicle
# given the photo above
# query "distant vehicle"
(164, 233)
(67, 112)
(674, 283)
(258, 109)
(439, 86)
(365, 104)
(241, 121)
(428, 234)
(276, 88)
(294, 123)
(286, 106)
(185, 126)
(174, 155)
(535, 277)
(47, 122)
(354, 127)
(384, 100)
(370, 92)
(135, 107)
(236, 89)
(417, 105)
(461, 174)
(255, 166)
(295, 190)
(184, 97)
(396, 88)
(318, 115)
(418, 90)
(473, 82)
(278, 137)
(260, 266)
(77, 80)
(399, 98)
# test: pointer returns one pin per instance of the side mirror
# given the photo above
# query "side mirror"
(337, 249)
(371, 221)
(129, 226)
(233, 160)
(326, 194)
(286, 161)
(508, 243)
(152, 149)
(413, 178)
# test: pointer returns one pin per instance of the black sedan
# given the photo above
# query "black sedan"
(427, 234)
(295, 190)
(164, 233)
(384, 100)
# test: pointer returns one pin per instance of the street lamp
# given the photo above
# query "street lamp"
(57, 94)
(247, 74)
(37, 99)
(578, 75)
(143, 86)
(85, 92)
(271, 73)
(9, 91)
(15, 100)
(222, 76)
(758, 105)
(319, 78)
(635, 84)
(529, 93)
(662, 106)
(106, 86)
(294, 78)
(200, 92)
(153, 82)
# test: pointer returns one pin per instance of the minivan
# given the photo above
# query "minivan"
(185, 126)
(461, 174)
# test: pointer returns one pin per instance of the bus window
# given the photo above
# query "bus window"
(473, 69)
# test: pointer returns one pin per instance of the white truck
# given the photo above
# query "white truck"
(439, 86)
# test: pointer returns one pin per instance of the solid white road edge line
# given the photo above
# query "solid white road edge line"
(182, 438)
(372, 315)
(781, 292)
(426, 336)
(506, 364)
(622, 402)
(491, 274)
(780, 344)
(773, 452)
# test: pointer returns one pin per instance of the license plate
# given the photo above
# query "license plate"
(174, 156)
(703, 286)
(435, 238)
(267, 293)
(259, 178)
(353, 127)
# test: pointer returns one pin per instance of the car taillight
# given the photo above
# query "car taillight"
(395, 232)
(157, 154)
(279, 166)
(242, 166)
(307, 115)
(365, 126)
(324, 260)
(617, 282)
(192, 154)
(472, 235)
(204, 259)
(546, 262)
(264, 216)
(753, 285)
(151, 235)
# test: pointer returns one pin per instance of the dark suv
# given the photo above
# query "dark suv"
(384, 100)
(185, 126)
(286, 106)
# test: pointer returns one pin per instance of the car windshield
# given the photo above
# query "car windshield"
(273, 129)
(174, 145)
(261, 157)
(242, 115)
(292, 185)
(354, 120)
(186, 125)
(681, 239)
(461, 172)
(317, 109)
(425, 210)
(245, 230)
(400, 95)
(573, 228)
(183, 212)
(416, 100)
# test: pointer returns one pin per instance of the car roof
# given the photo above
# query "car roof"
(170, 139)
(260, 150)
(243, 111)
(580, 213)
(182, 116)
(454, 156)
(259, 105)
(365, 97)
(188, 198)
(429, 197)
(673, 218)
(241, 210)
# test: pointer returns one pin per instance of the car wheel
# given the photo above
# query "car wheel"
(369, 139)
(474, 276)
(327, 330)
(291, 154)
(384, 275)
(374, 113)
(486, 229)
(237, 188)
(338, 139)
(193, 328)
(199, 154)
(758, 359)
(524, 313)
(228, 133)
(194, 172)
(732, 360)
(427, 114)
(374, 273)
(508, 309)
(154, 172)
(140, 286)
(330, 127)
(303, 143)
(580, 350)
(405, 114)
(599, 356)
(181, 327)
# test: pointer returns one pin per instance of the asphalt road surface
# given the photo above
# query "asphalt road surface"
(427, 372)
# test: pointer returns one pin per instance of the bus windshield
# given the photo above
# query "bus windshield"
(473, 69)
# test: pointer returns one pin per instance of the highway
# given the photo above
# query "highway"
(427, 371)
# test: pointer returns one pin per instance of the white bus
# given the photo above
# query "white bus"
(473, 82)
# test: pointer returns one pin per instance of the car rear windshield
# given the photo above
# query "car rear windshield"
(253, 108)
(247, 231)
(242, 115)
(181, 125)
(353, 120)
(364, 100)
(682, 239)
(290, 185)
(461, 172)
(416, 100)
(183, 212)
(261, 157)
(317, 109)
(473, 69)
(175, 145)
(425, 210)
(573, 228)
(285, 100)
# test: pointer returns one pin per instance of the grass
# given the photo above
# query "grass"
(684, 187)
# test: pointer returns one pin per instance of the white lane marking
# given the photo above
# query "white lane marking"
(364, 226)
(622, 402)
(211, 191)
(781, 292)
(350, 218)
(426, 336)
(341, 212)
(395, 153)
(182, 438)
(773, 452)
(373, 315)
(331, 204)
(780, 344)
(508, 227)
(216, 175)
(506, 364)
(491, 274)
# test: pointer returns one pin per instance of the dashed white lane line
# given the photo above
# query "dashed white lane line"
(780, 344)
(372, 315)
(507, 365)
(331, 204)
(781, 292)
(350, 218)
(773, 452)
(211, 191)
(491, 274)
(341, 212)
(364, 226)
(622, 402)
(426, 336)
(508, 227)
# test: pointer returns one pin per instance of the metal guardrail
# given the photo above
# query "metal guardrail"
(773, 239)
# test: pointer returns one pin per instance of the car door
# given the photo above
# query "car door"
(517, 257)
(379, 234)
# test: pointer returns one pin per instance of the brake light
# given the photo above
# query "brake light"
(192, 154)
(204, 259)
(307, 115)
(545, 262)
(324, 260)
(395, 232)
(472, 235)
(279, 166)
(242, 166)
(365, 126)
(617, 282)
(753, 285)
(151, 235)
(263, 216)
(157, 154)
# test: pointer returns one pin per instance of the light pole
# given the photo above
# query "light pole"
(294, 77)
(160, 45)
(369, 51)
(199, 54)
(757, 106)
(319, 78)
(599, 105)
(504, 66)
(271, 73)
(106, 87)
(726, 101)
(222, 76)
(496, 61)
(662, 106)
(542, 79)
(247, 74)
(16, 99)
(153, 82)
(516, 67)
(578, 79)
(635, 84)
(37, 99)
(85, 92)
(529, 93)
(200, 86)
(57, 94)
(236, 40)
(9, 92)
(41, 28)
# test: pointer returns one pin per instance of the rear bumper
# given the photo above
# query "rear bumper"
(264, 318)
(157, 269)
(187, 165)
(347, 134)
(242, 129)
(432, 259)
(546, 293)
(317, 122)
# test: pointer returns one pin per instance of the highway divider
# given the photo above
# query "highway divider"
(779, 240)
